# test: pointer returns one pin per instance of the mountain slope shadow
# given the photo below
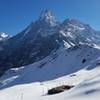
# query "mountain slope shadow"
(66, 62)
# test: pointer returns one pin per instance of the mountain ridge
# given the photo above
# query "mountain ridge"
(42, 37)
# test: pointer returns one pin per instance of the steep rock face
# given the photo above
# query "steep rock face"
(37, 41)
(80, 32)
(43, 37)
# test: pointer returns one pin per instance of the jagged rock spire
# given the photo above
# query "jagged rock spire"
(48, 17)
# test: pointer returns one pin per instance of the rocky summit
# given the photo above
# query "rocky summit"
(42, 38)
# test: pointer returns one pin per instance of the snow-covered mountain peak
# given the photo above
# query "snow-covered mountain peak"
(77, 25)
(48, 17)
(74, 24)
(73, 21)
(3, 36)
(46, 13)
(44, 36)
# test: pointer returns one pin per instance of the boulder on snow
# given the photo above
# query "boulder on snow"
(59, 89)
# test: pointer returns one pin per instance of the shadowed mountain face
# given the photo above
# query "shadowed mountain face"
(43, 37)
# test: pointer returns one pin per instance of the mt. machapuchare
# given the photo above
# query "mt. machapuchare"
(43, 38)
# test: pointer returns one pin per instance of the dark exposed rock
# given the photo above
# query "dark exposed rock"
(84, 60)
(59, 89)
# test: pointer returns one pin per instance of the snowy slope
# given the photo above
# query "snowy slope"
(60, 63)
(62, 67)
(87, 87)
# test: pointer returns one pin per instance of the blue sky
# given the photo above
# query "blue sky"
(15, 15)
